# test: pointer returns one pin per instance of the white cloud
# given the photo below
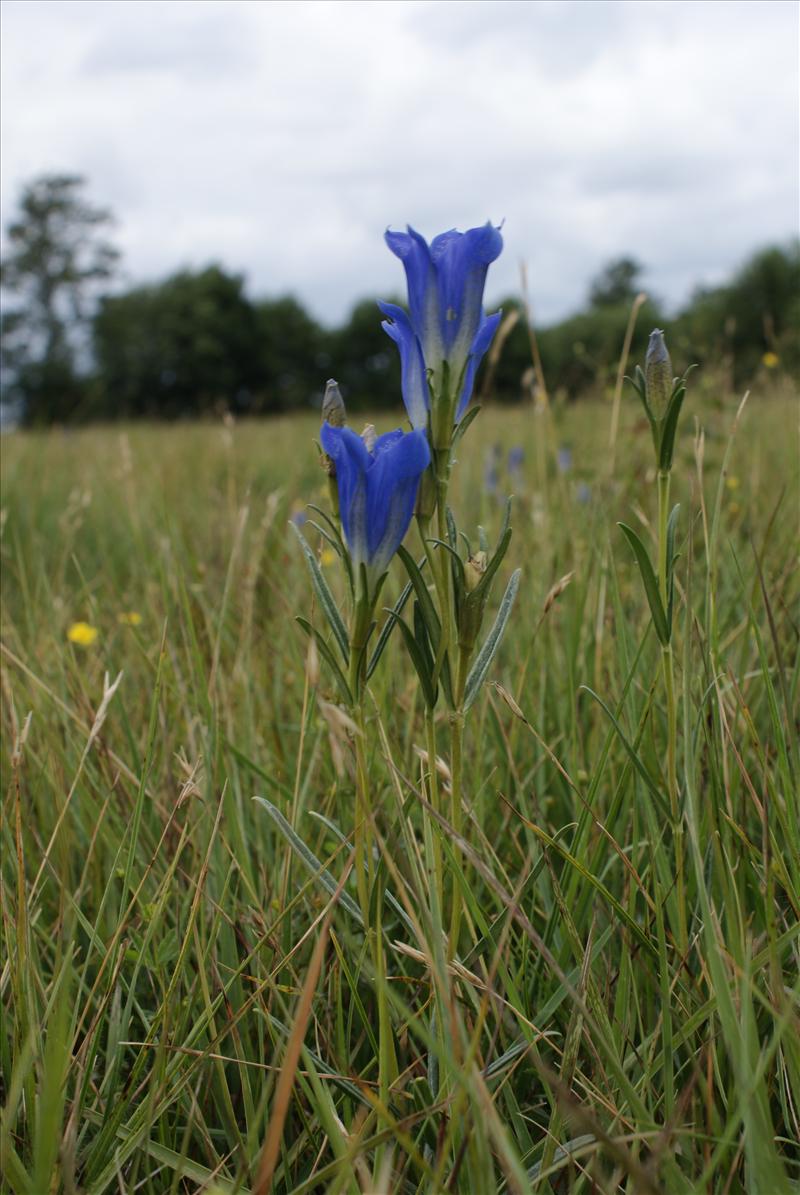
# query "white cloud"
(281, 138)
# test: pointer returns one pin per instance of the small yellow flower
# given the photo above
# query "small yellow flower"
(732, 483)
(771, 360)
(82, 634)
(129, 618)
(328, 556)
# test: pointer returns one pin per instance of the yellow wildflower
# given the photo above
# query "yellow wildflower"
(732, 483)
(770, 359)
(328, 556)
(82, 634)
(129, 618)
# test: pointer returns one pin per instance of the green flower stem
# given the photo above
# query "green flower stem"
(456, 784)
(445, 586)
(362, 612)
(672, 715)
(364, 863)
(435, 799)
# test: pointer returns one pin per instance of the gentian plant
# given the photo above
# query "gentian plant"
(442, 340)
(376, 484)
(662, 397)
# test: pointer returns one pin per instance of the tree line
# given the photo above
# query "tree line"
(75, 346)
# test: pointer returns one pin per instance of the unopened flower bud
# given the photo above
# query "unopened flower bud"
(474, 570)
(658, 375)
(369, 436)
(333, 408)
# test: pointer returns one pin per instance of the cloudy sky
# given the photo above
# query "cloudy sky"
(282, 138)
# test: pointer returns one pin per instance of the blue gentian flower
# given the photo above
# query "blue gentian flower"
(377, 479)
(445, 333)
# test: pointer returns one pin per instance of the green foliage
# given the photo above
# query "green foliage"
(293, 357)
(757, 312)
(57, 257)
(364, 360)
(187, 346)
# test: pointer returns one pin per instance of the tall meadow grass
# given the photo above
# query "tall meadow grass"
(188, 1000)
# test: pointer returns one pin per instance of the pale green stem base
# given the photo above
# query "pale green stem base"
(672, 714)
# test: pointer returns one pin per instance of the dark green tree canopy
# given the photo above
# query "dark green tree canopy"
(188, 345)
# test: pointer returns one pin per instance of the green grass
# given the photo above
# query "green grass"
(186, 985)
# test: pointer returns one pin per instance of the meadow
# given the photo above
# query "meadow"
(189, 1001)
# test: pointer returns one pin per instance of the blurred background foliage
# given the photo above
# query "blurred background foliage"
(77, 345)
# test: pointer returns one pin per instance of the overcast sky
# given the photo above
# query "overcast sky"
(282, 138)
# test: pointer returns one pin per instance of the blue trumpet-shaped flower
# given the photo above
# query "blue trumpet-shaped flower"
(377, 482)
(445, 333)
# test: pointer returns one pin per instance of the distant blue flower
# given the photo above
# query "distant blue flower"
(445, 323)
(564, 458)
(584, 493)
(377, 483)
(516, 458)
(491, 475)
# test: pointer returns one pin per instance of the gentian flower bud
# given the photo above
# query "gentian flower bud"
(445, 333)
(334, 413)
(658, 375)
(474, 570)
(333, 408)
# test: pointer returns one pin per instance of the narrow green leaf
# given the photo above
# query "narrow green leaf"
(458, 562)
(388, 896)
(506, 523)
(667, 446)
(421, 635)
(487, 652)
(672, 524)
(387, 629)
(481, 590)
(326, 535)
(326, 599)
(462, 426)
(423, 595)
(418, 660)
(652, 787)
(640, 386)
(650, 584)
(329, 658)
(452, 534)
(303, 852)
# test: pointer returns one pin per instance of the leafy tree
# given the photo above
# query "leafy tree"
(617, 283)
(757, 312)
(294, 356)
(188, 345)
(57, 260)
(364, 360)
